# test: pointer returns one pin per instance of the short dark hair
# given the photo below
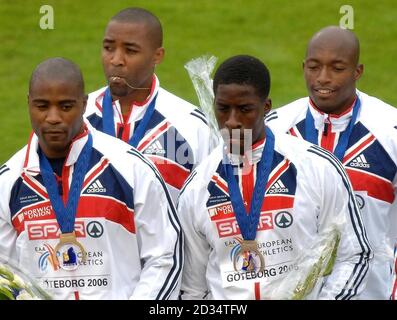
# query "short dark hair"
(58, 68)
(245, 70)
(140, 15)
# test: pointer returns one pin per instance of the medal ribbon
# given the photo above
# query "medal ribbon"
(108, 118)
(66, 216)
(311, 134)
(248, 223)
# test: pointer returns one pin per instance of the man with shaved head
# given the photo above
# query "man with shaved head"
(76, 205)
(359, 130)
(133, 106)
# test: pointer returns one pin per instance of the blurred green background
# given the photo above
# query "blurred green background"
(274, 31)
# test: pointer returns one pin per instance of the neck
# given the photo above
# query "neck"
(138, 96)
(54, 154)
(338, 110)
(135, 95)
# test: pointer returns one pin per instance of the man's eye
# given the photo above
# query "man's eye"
(67, 107)
(246, 109)
(131, 51)
(221, 108)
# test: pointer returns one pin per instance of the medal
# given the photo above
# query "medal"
(250, 254)
(252, 259)
(108, 119)
(68, 251)
(311, 133)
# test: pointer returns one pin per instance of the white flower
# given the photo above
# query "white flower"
(5, 272)
(4, 282)
(24, 295)
(19, 282)
(15, 284)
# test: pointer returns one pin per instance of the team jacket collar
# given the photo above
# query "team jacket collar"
(338, 122)
(250, 157)
(116, 104)
(32, 163)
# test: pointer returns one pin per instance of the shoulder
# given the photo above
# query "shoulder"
(179, 110)
(11, 171)
(15, 163)
(118, 152)
(200, 177)
(285, 117)
(92, 99)
(376, 111)
(166, 96)
(380, 119)
(94, 94)
(306, 157)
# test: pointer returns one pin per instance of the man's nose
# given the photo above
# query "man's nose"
(233, 121)
(117, 58)
(324, 76)
(53, 115)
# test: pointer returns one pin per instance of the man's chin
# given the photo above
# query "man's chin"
(325, 104)
(119, 90)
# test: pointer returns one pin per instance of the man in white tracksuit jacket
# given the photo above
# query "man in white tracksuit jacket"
(167, 129)
(124, 217)
(360, 130)
(306, 194)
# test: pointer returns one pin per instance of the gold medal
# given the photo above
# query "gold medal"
(68, 250)
(250, 254)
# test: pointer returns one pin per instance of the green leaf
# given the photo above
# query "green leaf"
(331, 262)
(6, 273)
(7, 295)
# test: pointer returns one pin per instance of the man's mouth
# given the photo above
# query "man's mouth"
(54, 133)
(324, 91)
(116, 80)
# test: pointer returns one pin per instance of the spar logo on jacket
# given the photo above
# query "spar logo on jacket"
(104, 195)
(276, 209)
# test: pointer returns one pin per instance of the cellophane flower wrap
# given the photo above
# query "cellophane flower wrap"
(16, 284)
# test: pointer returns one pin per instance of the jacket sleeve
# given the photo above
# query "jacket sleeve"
(8, 234)
(159, 238)
(339, 206)
(197, 248)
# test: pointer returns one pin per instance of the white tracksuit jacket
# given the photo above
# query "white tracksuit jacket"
(371, 163)
(307, 192)
(125, 220)
(177, 136)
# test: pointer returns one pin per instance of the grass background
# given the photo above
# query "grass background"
(274, 31)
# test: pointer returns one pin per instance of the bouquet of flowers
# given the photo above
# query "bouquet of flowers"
(200, 70)
(17, 285)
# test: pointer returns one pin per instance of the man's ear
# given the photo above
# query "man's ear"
(159, 56)
(267, 105)
(359, 71)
